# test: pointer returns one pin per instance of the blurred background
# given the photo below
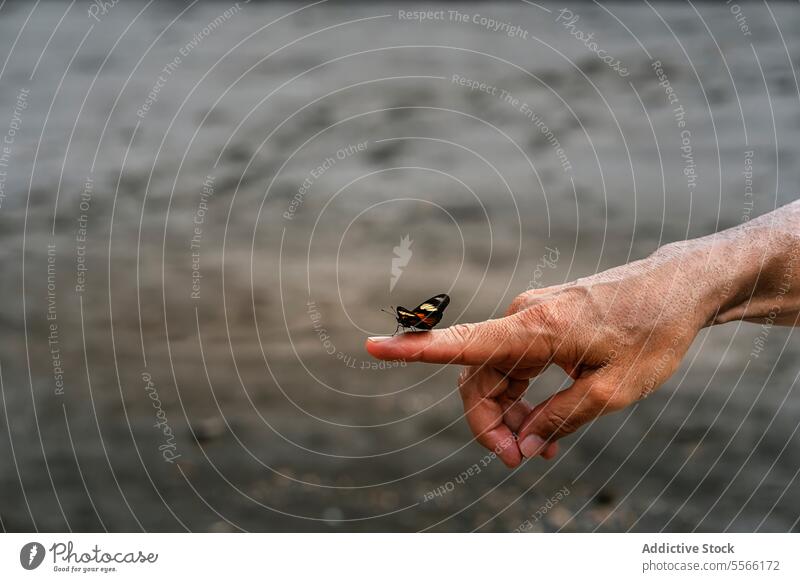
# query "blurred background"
(204, 205)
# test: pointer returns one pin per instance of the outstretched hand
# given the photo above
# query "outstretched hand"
(619, 335)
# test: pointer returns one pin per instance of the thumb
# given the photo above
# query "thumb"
(566, 411)
(493, 341)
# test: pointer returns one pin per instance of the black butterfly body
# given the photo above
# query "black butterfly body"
(424, 316)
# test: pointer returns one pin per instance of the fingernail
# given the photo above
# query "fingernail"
(379, 338)
(531, 445)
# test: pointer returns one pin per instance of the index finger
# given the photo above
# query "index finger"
(495, 341)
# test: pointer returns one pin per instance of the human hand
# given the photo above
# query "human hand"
(619, 335)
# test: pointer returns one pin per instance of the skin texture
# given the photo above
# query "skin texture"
(619, 334)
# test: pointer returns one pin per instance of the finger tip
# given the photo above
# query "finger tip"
(369, 346)
(550, 451)
(404, 346)
(532, 445)
(510, 454)
(379, 346)
(511, 460)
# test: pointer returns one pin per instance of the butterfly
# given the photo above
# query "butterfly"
(424, 316)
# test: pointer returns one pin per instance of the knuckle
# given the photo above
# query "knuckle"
(518, 304)
(461, 334)
(539, 316)
(561, 424)
(579, 299)
(606, 396)
(537, 319)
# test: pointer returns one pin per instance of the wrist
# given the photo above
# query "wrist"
(703, 275)
(737, 273)
(770, 286)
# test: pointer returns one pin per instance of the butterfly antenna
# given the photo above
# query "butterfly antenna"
(389, 312)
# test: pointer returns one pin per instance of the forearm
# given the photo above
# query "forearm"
(749, 272)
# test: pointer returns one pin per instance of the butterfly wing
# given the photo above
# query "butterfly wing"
(429, 313)
(424, 316)
(436, 303)
(406, 317)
